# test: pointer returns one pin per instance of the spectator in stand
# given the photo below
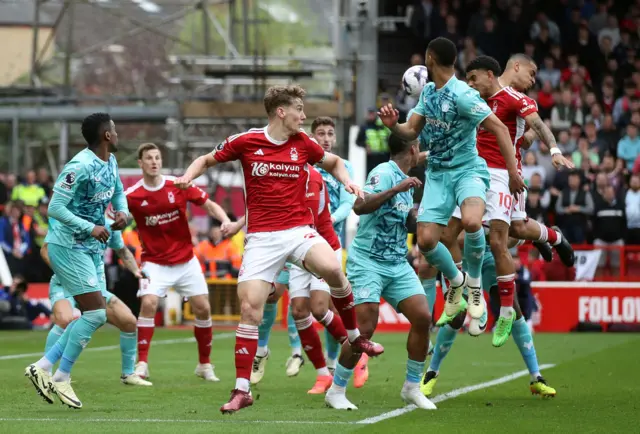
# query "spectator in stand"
(536, 266)
(515, 27)
(545, 100)
(543, 158)
(594, 142)
(611, 31)
(14, 238)
(468, 53)
(609, 226)
(608, 133)
(549, 72)
(4, 193)
(622, 106)
(585, 153)
(598, 21)
(565, 144)
(45, 181)
(374, 136)
(632, 209)
(608, 95)
(574, 67)
(629, 147)
(622, 49)
(530, 166)
(477, 20)
(535, 183)
(218, 255)
(451, 30)
(542, 21)
(421, 23)
(534, 208)
(30, 192)
(491, 42)
(574, 207)
(39, 271)
(565, 113)
(595, 115)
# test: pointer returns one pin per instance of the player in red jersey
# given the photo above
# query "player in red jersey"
(275, 164)
(310, 295)
(160, 211)
(515, 110)
(520, 74)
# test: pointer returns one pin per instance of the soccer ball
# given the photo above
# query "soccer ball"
(414, 80)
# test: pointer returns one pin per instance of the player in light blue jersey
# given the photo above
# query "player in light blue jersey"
(118, 313)
(521, 334)
(377, 267)
(76, 242)
(447, 115)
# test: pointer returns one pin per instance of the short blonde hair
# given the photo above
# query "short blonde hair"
(278, 96)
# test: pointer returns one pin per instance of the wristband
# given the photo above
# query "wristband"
(555, 151)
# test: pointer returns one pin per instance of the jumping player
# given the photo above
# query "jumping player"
(274, 161)
(160, 211)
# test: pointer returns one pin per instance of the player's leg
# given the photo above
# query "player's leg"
(450, 238)
(61, 316)
(471, 185)
(404, 292)
(368, 285)
(299, 291)
(436, 208)
(264, 330)
(262, 260)
(332, 346)
(529, 229)
(191, 283)
(119, 315)
(505, 270)
(150, 293)
(295, 362)
(315, 254)
(428, 276)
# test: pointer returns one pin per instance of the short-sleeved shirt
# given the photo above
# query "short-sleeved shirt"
(335, 190)
(382, 234)
(275, 177)
(452, 115)
(90, 183)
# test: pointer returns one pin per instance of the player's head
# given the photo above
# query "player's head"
(400, 149)
(284, 104)
(323, 129)
(97, 129)
(215, 232)
(482, 73)
(522, 70)
(441, 52)
(150, 159)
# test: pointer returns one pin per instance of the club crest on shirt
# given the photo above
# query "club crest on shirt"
(171, 197)
(495, 106)
(294, 154)
(445, 106)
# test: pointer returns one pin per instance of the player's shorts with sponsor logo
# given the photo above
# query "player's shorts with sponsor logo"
(371, 280)
(266, 253)
(302, 282)
(501, 204)
(77, 271)
(57, 292)
(186, 279)
(444, 189)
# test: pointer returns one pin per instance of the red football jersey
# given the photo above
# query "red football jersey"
(511, 107)
(318, 202)
(275, 177)
(161, 216)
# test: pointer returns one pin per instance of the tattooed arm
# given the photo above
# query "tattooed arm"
(528, 138)
(130, 262)
(543, 132)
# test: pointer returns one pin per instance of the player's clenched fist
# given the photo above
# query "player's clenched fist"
(183, 182)
(408, 184)
(388, 115)
(100, 233)
(516, 184)
(120, 221)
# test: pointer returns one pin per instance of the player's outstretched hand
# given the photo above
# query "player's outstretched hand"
(558, 160)
(408, 184)
(229, 229)
(120, 221)
(100, 233)
(516, 184)
(183, 182)
(388, 115)
(354, 189)
(141, 275)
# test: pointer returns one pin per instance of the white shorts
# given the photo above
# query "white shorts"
(501, 204)
(187, 279)
(265, 253)
(302, 282)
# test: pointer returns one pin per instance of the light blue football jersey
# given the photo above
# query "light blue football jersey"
(338, 197)
(452, 114)
(382, 235)
(86, 186)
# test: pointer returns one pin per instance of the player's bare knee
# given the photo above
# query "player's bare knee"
(128, 323)
(201, 307)
(319, 312)
(334, 276)
(517, 229)
(62, 320)
(471, 224)
(299, 309)
(250, 314)
(148, 306)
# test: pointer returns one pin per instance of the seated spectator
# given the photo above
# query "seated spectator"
(565, 113)
(595, 115)
(543, 158)
(549, 73)
(545, 100)
(22, 311)
(573, 207)
(607, 133)
(565, 144)
(584, 153)
(632, 210)
(29, 192)
(609, 226)
(629, 147)
(595, 143)
(530, 166)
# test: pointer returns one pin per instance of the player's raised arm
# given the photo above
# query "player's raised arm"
(346, 201)
(380, 189)
(411, 129)
(336, 167)
(543, 132)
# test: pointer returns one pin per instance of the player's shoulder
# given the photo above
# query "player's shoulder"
(382, 169)
(428, 89)
(347, 164)
(136, 189)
